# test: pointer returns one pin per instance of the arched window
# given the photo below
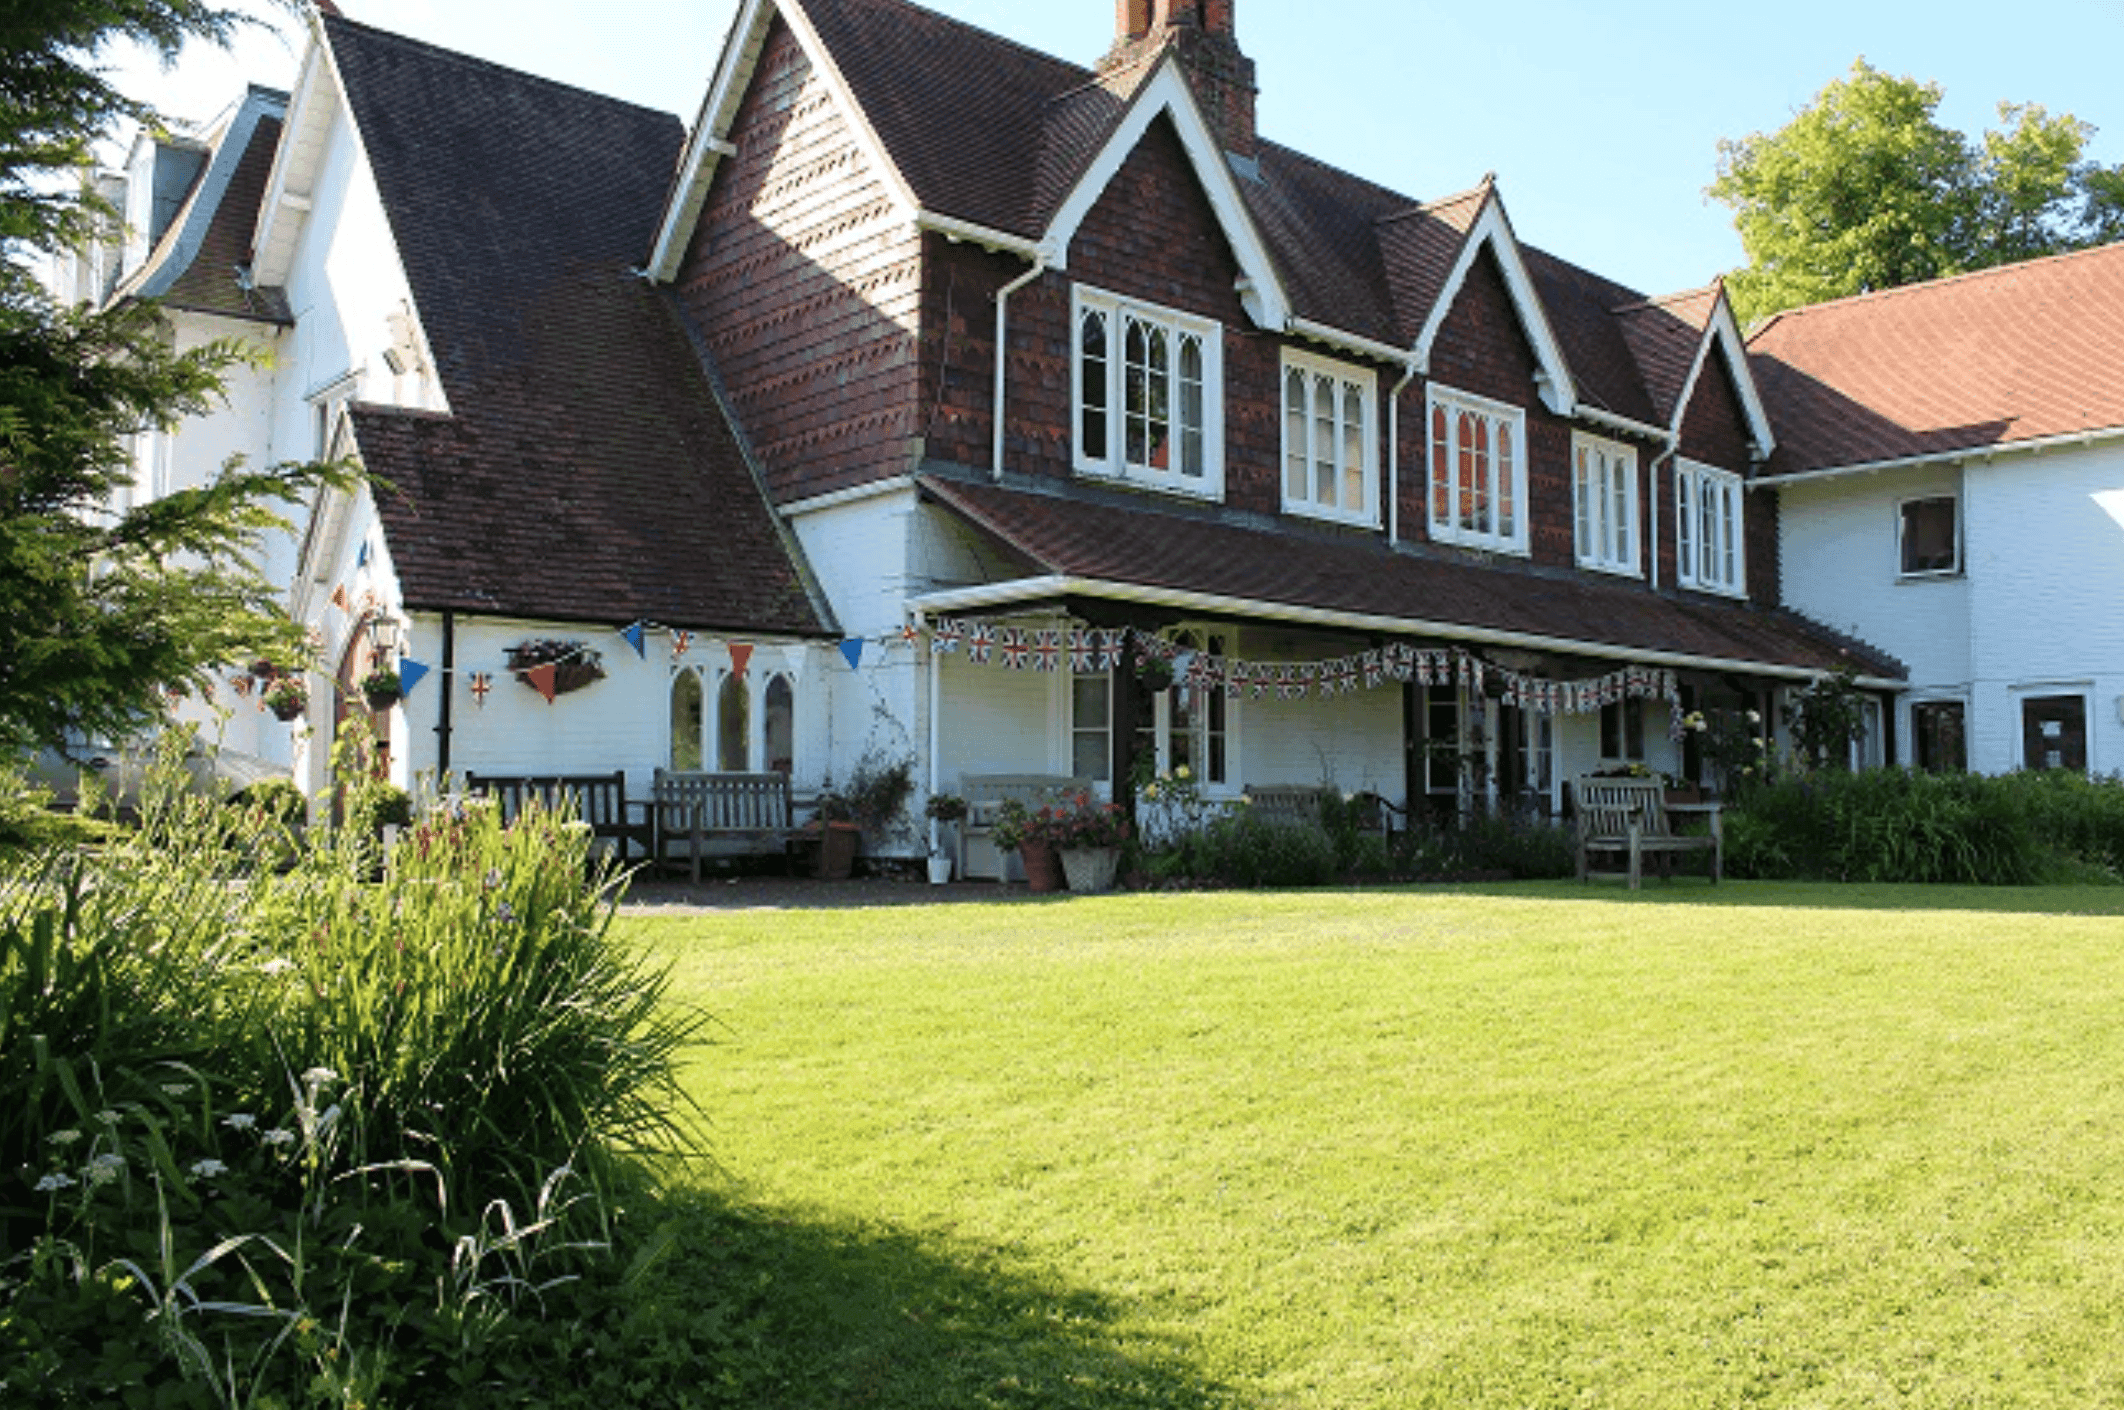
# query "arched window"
(778, 727)
(686, 721)
(733, 719)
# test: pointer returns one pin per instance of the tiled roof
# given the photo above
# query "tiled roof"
(2024, 352)
(1149, 546)
(1664, 337)
(990, 132)
(587, 471)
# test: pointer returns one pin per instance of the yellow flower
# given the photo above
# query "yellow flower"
(1182, 774)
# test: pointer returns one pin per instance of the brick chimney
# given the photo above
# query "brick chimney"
(1201, 34)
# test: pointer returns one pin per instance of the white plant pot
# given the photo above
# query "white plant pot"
(939, 870)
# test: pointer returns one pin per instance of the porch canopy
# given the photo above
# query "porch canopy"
(1132, 550)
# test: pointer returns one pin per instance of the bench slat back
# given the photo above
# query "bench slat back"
(727, 802)
(1288, 804)
(1608, 806)
(597, 799)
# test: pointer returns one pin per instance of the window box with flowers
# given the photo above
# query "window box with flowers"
(574, 664)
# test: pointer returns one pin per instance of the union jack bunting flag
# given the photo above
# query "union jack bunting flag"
(1237, 674)
(1374, 669)
(1340, 677)
(482, 682)
(681, 643)
(1047, 651)
(1017, 652)
(980, 643)
(946, 635)
(1084, 652)
(1113, 646)
(1262, 681)
(1160, 648)
(1424, 672)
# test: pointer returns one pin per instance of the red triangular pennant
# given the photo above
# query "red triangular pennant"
(541, 678)
(740, 656)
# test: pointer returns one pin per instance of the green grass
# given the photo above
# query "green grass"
(1510, 1146)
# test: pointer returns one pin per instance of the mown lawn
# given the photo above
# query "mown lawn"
(1515, 1146)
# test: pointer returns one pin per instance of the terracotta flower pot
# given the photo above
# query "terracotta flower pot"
(837, 849)
(1043, 866)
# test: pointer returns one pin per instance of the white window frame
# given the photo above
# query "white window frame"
(1605, 515)
(1902, 525)
(1116, 315)
(1708, 498)
(1496, 417)
(1350, 424)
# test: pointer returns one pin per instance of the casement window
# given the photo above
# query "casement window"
(2054, 732)
(1928, 534)
(1091, 725)
(1708, 542)
(1330, 452)
(1939, 736)
(1149, 393)
(1604, 475)
(1622, 730)
(1478, 472)
(712, 717)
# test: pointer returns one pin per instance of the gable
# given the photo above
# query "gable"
(1480, 345)
(1153, 235)
(1491, 236)
(1714, 424)
(1165, 96)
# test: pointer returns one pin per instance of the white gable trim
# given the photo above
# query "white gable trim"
(708, 144)
(302, 132)
(1725, 333)
(1166, 91)
(1552, 376)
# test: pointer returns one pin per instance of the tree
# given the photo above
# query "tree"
(1865, 189)
(105, 610)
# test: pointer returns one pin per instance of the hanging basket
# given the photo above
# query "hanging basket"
(574, 664)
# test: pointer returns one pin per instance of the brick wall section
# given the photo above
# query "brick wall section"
(805, 282)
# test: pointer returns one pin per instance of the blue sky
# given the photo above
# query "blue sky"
(1601, 122)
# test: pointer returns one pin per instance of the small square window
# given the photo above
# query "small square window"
(1930, 539)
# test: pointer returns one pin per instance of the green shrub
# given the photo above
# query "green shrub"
(1502, 846)
(1892, 825)
(301, 1138)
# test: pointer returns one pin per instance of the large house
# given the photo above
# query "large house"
(928, 387)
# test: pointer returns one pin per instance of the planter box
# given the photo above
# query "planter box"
(1090, 870)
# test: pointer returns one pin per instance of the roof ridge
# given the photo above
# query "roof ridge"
(1484, 187)
(2114, 249)
(460, 57)
(1663, 300)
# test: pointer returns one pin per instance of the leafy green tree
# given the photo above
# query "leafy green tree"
(104, 609)
(1865, 189)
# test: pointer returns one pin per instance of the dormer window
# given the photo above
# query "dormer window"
(1149, 394)
(1709, 547)
(1330, 464)
(1478, 472)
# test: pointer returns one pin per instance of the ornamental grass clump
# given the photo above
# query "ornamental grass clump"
(333, 1130)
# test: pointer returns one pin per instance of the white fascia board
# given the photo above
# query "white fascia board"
(706, 145)
(1608, 419)
(972, 233)
(1166, 91)
(2069, 440)
(989, 595)
(288, 185)
(1558, 391)
(1723, 332)
(1348, 342)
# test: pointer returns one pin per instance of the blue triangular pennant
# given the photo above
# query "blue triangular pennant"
(410, 674)
(636, 637)
(853, 650)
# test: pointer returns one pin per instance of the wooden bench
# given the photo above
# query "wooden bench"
(599, 800)
(698, 815)
(1632, 817)
(1304, 805)
(985, 795)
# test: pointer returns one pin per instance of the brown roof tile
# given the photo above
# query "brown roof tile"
(587, 471)
(1155, 547)
(2020, 353)
(1664, 336)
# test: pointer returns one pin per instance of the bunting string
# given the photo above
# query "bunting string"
(1090, 650)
